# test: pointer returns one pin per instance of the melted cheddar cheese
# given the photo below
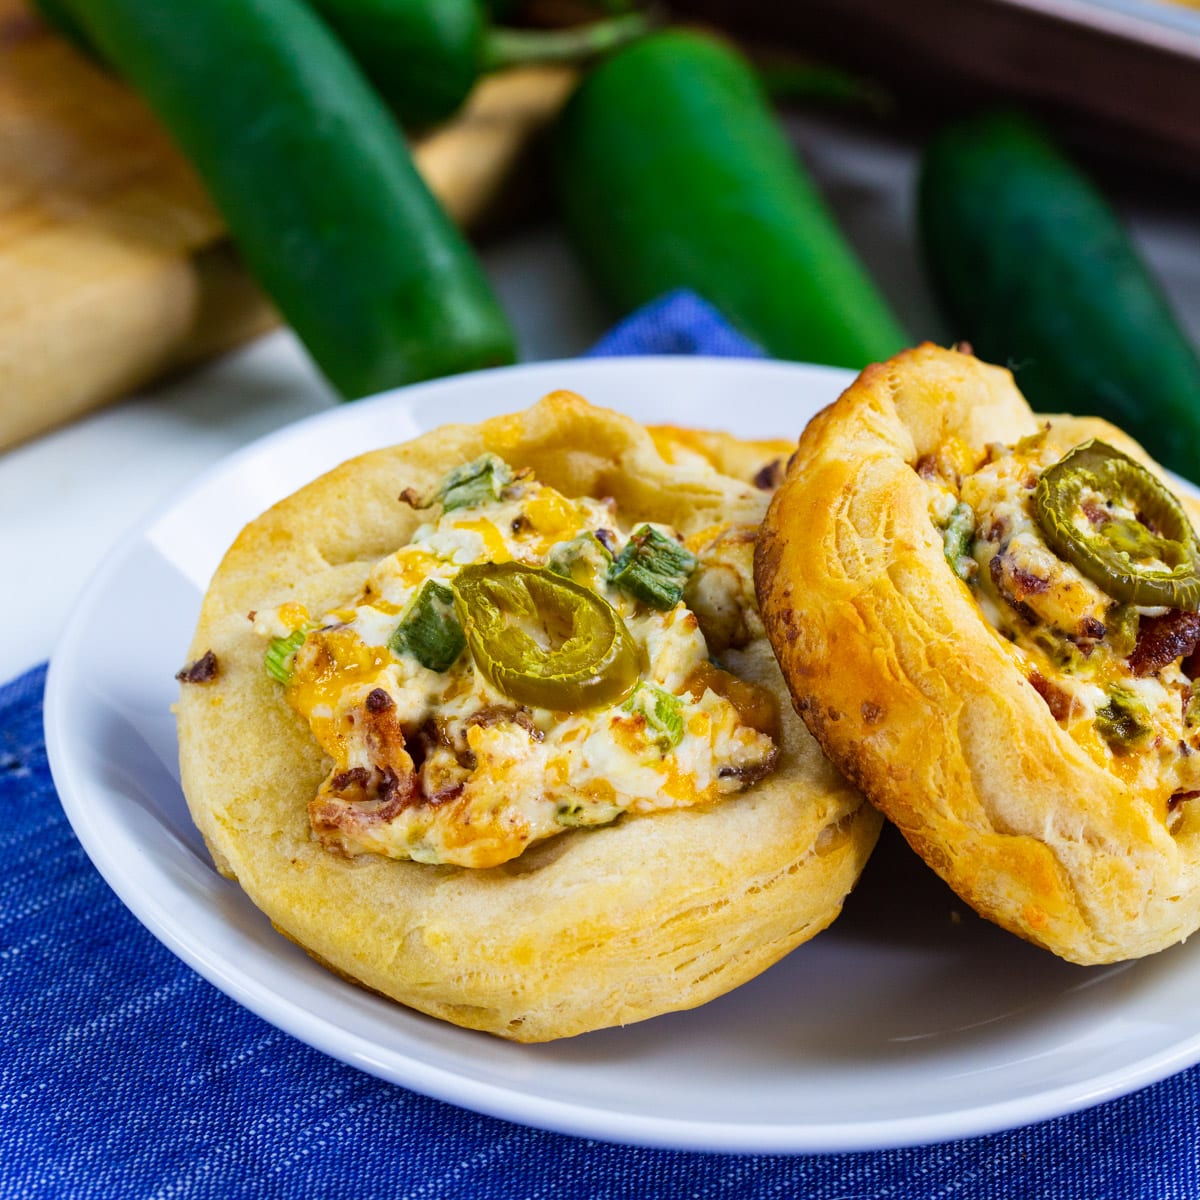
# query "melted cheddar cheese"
(440, 767)
(1076, 645)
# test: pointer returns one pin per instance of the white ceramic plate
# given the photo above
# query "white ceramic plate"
(909, 1021)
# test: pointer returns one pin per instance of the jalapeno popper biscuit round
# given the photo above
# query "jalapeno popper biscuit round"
(489, 724)
(989, 620)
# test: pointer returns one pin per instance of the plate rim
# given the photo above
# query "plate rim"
(513, 1103)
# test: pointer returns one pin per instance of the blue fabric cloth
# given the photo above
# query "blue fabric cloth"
(124, 1074)
(677, 323)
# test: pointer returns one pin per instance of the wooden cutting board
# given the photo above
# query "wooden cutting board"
(114, 266)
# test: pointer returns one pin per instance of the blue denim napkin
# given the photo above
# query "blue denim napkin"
(124, 1074)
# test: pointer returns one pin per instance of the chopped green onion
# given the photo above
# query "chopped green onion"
(574, 813)
(1191, 711)
(1059, 648)
(1121, 629)
(281, 654)
(477, 482)
(429, 630)
(663, 713)
(653, 568)
(957, 538)
(581, 559)
(1123, 721)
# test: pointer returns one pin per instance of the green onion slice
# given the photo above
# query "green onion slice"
(478, 482)
(958, 538)
(429, 629)
(653, 568)
(581, 560)
(281, 654)
(663, 713)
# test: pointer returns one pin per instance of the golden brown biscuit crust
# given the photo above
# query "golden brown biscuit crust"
(896, 671)
(592, 928)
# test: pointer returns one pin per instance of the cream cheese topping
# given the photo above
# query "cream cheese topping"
(442, 767)
(1071, 639)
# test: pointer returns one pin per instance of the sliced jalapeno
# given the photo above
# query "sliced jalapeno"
(1149, 558)
(544, 640)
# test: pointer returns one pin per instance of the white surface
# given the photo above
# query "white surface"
(902, 1024)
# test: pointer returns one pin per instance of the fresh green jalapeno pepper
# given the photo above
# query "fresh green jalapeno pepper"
(1150, 558)
(543, 640)
(1078, 307)
(673, 172)
(425, 56)
(314, 182)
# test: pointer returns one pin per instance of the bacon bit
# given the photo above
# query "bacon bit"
(1092, 629)
(411, 497)
(379, 701)
(398, 792)
(964, 347)
(494, 714)
(1058, 701)
(769, 476)
(927, 466)
(749, 775)
(1179, 798)
(1094, 511)
(447, 794)
(1025, 582)
(385, 738)
(252, 614)
(1161, 640)
(334, 816)
(997, 530)
(356, 777)
(425, 741)
(1000, 579)
(203, 670)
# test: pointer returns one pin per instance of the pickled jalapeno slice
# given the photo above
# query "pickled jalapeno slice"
(1116, 522)
(544, 640)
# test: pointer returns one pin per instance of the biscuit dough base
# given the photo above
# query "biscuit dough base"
(915, 697)
(589, 929)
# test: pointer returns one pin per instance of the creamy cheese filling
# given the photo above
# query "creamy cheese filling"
(1074, 642)
(442, 767)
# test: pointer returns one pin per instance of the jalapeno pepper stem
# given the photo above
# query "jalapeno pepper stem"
(505, 47)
